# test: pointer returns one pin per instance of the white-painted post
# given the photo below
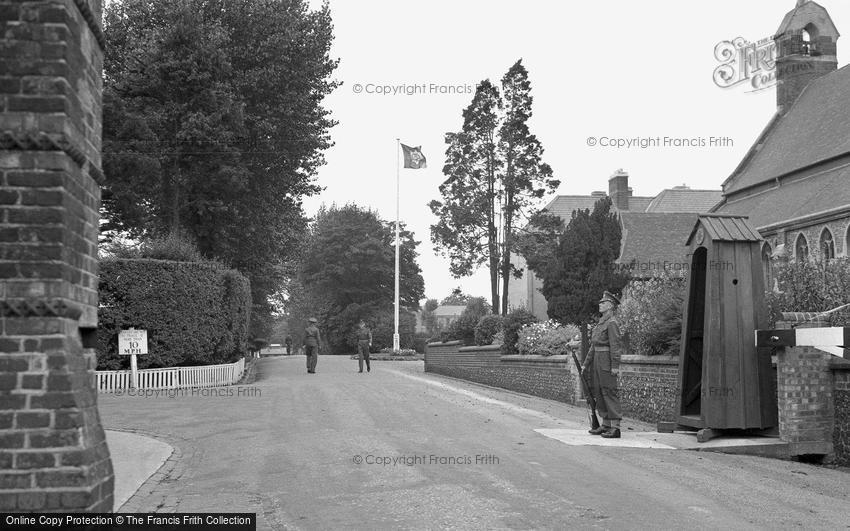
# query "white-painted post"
(135, 368)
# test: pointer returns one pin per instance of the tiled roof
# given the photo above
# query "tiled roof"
(564, 205)
(639, 204)
(449, 310)
(655, 240)
(685, 200)
(820, 193)
(816, 128)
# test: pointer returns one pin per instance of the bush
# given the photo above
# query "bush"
(512, 324)
(401, 352)
(546, 339)
(651, 315)
(195, 313)
(487, 328)
(811, 286)
(463, 328)
(171, 247)
(419, 341)
(383, 327)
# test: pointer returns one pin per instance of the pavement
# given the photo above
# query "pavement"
(400, 448)
(135, 458)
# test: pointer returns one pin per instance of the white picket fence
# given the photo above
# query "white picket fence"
(172, 378)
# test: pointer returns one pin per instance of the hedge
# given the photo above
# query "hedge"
(196, 313)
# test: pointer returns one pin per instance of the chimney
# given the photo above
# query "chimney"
(618, 189)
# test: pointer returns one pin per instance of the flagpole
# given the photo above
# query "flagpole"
(395, 334)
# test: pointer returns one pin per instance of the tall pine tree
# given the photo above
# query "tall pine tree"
(495, 176)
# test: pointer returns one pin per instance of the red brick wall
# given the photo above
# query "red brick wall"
(53, 455)
(841, 403)
(805, 397)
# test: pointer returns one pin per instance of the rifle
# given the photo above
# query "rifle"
(594, 420)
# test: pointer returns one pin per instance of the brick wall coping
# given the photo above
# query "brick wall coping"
(839, 364)
(634, 359)
(510, 358)
(446, 344)
(482, 348)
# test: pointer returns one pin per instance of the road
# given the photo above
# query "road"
(398, 448)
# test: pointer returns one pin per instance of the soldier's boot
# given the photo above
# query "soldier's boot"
(598, 431)
(613, 431)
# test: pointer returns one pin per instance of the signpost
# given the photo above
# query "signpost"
(131, 343)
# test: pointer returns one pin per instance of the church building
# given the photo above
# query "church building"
(794, 183)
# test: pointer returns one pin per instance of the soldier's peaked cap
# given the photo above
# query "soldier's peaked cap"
(313, 320)
(609, 297)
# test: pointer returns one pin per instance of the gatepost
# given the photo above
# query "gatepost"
(55, 456)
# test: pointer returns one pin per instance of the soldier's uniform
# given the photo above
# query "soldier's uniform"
(312, 340)
(603, 358)
(364, 341)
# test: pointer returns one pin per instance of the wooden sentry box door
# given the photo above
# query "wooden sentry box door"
(724, 305)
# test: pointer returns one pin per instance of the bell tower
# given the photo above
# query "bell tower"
(806, 48)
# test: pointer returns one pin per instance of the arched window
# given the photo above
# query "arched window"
(767, 269)
(801, 248)
(809, 36)
(847, 243)
(827, 245)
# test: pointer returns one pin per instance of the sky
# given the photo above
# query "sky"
(616, 84)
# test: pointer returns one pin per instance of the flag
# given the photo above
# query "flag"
(413, 157)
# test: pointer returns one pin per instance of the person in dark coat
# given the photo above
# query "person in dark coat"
(288, 343)
(364, 341)
(603, 359)
(312, 344)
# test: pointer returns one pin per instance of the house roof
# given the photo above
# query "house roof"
(563, 206)
(815, 129)
(655, 240)
(449, 310)
(727, 228)
(792, 200)
(685, 200)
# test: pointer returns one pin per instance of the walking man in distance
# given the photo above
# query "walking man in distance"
(364, 341)
(312, 343)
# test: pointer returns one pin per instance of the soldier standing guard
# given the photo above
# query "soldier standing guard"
(312, 342)
(604, 356)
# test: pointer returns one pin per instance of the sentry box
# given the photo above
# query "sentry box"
(725, 380)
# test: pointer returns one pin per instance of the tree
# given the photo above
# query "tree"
(213, 126)
(582, 267)
(347, 270)
(429, 318)
(456, 298)
(467, 229)
(495, 176)
(526, 178)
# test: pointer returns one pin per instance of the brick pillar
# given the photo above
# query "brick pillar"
(841, 398)
(53, 455)
(804, 392)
